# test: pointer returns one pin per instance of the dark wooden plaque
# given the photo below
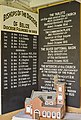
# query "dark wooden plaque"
(59, 49)
(18, 68)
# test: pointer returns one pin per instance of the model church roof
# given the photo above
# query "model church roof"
(43, 96)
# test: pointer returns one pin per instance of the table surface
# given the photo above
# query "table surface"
(9, 116)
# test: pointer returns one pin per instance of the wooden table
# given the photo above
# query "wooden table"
(9, 116)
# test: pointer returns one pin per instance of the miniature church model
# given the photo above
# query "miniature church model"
(47, 104)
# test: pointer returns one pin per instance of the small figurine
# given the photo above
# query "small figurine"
(47, 104)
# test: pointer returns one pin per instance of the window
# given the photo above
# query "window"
(31, 110)
(49, 97)
(28, 108)
(59, 96)
(60, 88)
(53, 114)
(51, 103)
(58, 115)
(48, 114)
(60, 101)
(46, 102)
(44, 113)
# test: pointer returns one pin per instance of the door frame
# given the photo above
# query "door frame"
(36, 111)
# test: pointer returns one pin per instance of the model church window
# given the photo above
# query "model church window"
(53, 114)
(49, 97)
(28, 108)
(48, 114)
(31, 110)
(58, 115)
(60, 88)
(60, 101)
(46, 102)
(44, 113)
(59, 96)
(51, 103)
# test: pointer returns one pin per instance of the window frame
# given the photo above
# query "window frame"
(51, 103)
(48, 116)
(28, 108)
(58, 117)
(54, 116)
(43, 113)
(46, 102)
(60, 88)
(60, 97)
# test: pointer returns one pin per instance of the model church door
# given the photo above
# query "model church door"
(37, 114)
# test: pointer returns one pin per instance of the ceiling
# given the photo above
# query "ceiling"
(30, 4)
(36, 3)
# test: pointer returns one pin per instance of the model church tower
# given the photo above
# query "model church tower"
(60, 91)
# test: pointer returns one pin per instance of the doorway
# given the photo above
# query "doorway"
(37, 114)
